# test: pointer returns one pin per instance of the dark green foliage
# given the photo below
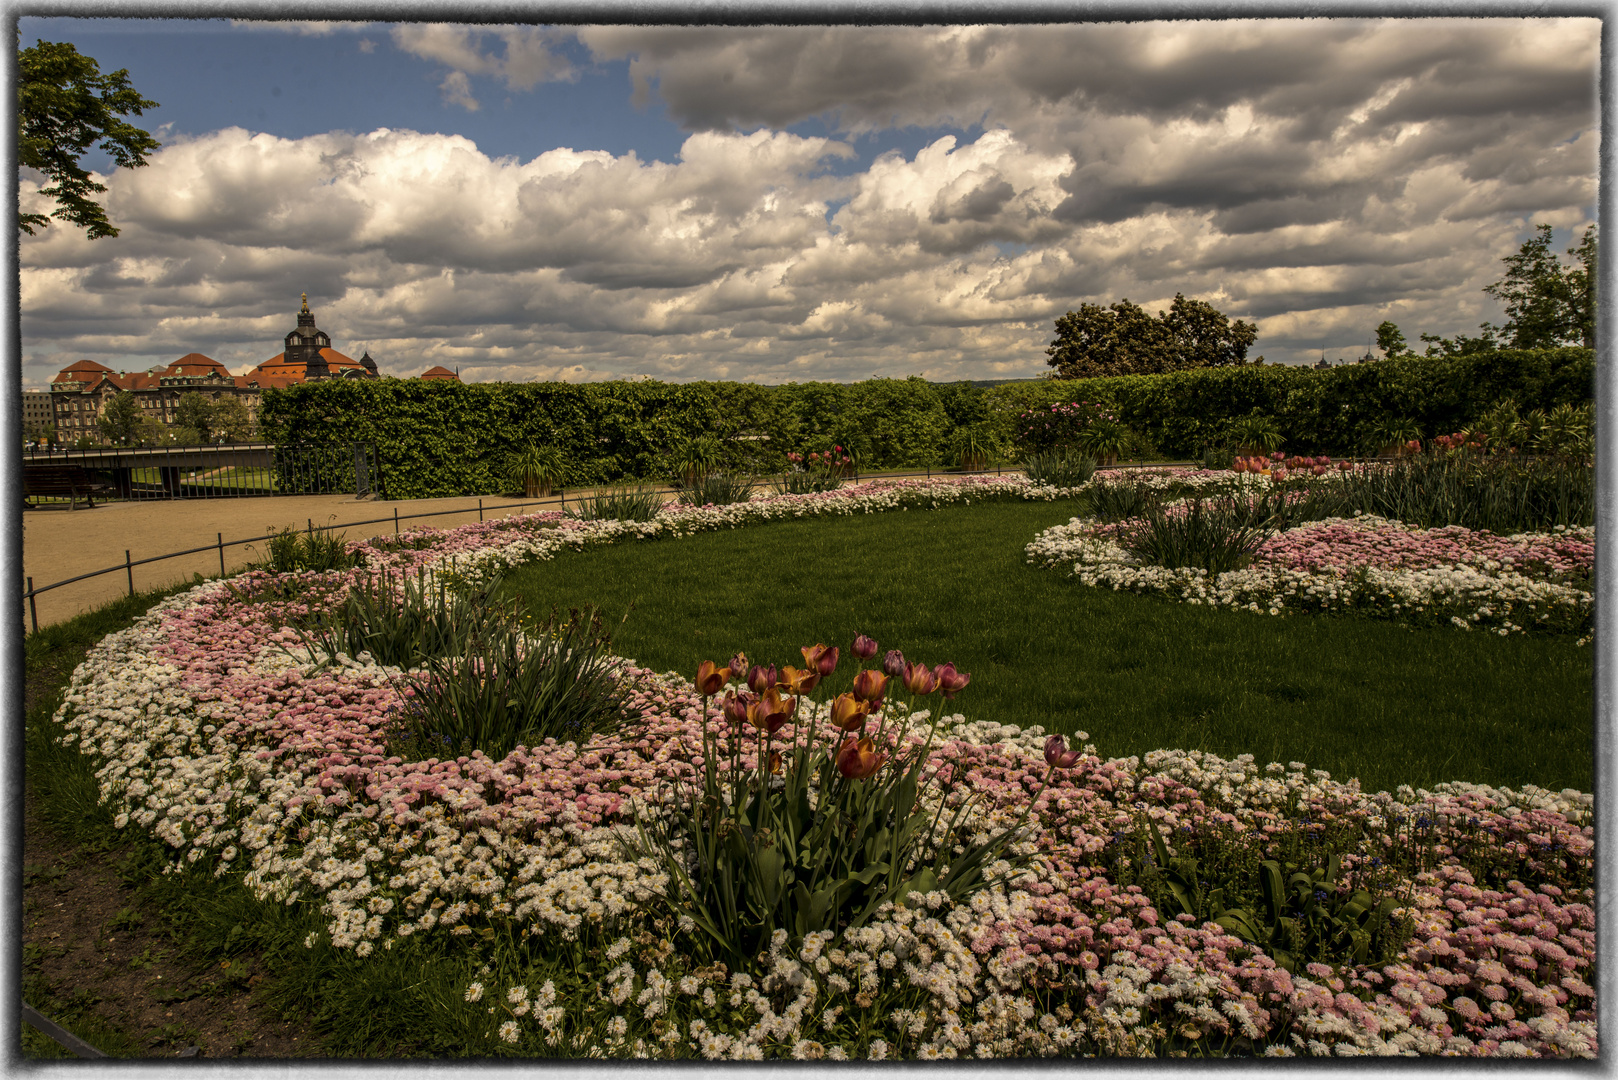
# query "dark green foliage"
(64, 107)
(1297, 910)
(445, 438)
(119, 421)
(1060, 468)
(511, 687)
(1546, 304)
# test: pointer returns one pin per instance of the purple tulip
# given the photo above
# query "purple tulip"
(1057, 755)
(893, 664)
(864, 647)
(950, 680)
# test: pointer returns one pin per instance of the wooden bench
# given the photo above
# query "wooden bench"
(66, 478)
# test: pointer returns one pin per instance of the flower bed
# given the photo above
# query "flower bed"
(214, 733)
(1366, 564)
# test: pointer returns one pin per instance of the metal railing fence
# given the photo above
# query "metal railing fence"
(220, 543)
(222, 470)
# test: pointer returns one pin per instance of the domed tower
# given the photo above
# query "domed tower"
(304, 344)
(368, 364)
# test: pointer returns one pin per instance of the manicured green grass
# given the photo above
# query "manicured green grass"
(1358, 697)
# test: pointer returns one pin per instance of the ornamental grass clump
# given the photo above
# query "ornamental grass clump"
(512, 687)
(1501, 493)
(316, 550)
(1059, 468)
(639, 503)
(717, 489)
(398, 620)
(817, 831)
(1212, 534)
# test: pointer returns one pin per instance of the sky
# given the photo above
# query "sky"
(778, 204)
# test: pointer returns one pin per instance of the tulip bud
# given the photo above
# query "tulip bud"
(735, 706)
(811, 654)
(1318, 470)
(775, 762)
(711, 679)
(864, 647)
(857, 760)
(1057, 755)
(920, 680)
(760, 679)
(869, 685)
(738, 664)
(1278, 456)
(950, 680)
(894, 664)
(847, 713)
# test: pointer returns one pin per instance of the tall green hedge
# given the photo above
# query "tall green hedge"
(448, 438)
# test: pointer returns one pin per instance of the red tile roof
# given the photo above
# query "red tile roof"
(439, 372)
(277, 367)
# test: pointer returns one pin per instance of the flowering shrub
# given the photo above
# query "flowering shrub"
(256, 763)
(1059, 426)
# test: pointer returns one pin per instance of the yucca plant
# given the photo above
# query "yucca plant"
(696, 459)
(974, 447)
(718, 489)
(536, 470)
(1255, 435)
(1115, 500)
(1568, 432)
(1059, 468)
(1103, 440)
(1499, 427)
(619, 504)
(315, 550)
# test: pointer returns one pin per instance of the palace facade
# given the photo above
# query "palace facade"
(80, 391)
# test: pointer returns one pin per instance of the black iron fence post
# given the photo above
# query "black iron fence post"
(221, 537)
(33, 608)
(129, 569)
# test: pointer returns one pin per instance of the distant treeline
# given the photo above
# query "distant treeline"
(448, 438)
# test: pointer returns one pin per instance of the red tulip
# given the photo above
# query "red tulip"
(869, 685)
(811, 654)
(857, 760)
(711, 679)
(827, 662)
(951, 681)
(1057, 755)
(798, 682)
(771, 711)
(920, 680)
(864, 647)
(760, 679)
(1318, 470)
(849, 714)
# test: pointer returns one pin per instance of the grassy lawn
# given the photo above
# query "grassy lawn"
(1361, 698)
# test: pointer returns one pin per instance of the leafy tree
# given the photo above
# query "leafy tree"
(120, 420)
(1461, 345)
(1123, 340)
(64, 106)
(231, 420)
(195, 412)
(1391, 341)
(1548, 305)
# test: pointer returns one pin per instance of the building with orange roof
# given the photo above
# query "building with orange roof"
(440, 372)
(80, 391)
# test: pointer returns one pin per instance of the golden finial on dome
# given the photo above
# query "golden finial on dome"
(305, 309)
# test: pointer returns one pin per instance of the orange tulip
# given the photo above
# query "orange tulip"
(775, 761)
(849, 714)
(711, 679)
(797, 682)
(857, 760)
(821, 658)
(869, 685)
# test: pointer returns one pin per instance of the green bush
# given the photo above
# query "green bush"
(447, 438)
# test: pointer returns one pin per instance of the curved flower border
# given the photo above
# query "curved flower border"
(213, 733)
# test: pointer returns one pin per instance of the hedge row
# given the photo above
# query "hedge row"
(447, 438)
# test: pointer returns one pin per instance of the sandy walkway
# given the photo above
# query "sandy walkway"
(58, 544)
